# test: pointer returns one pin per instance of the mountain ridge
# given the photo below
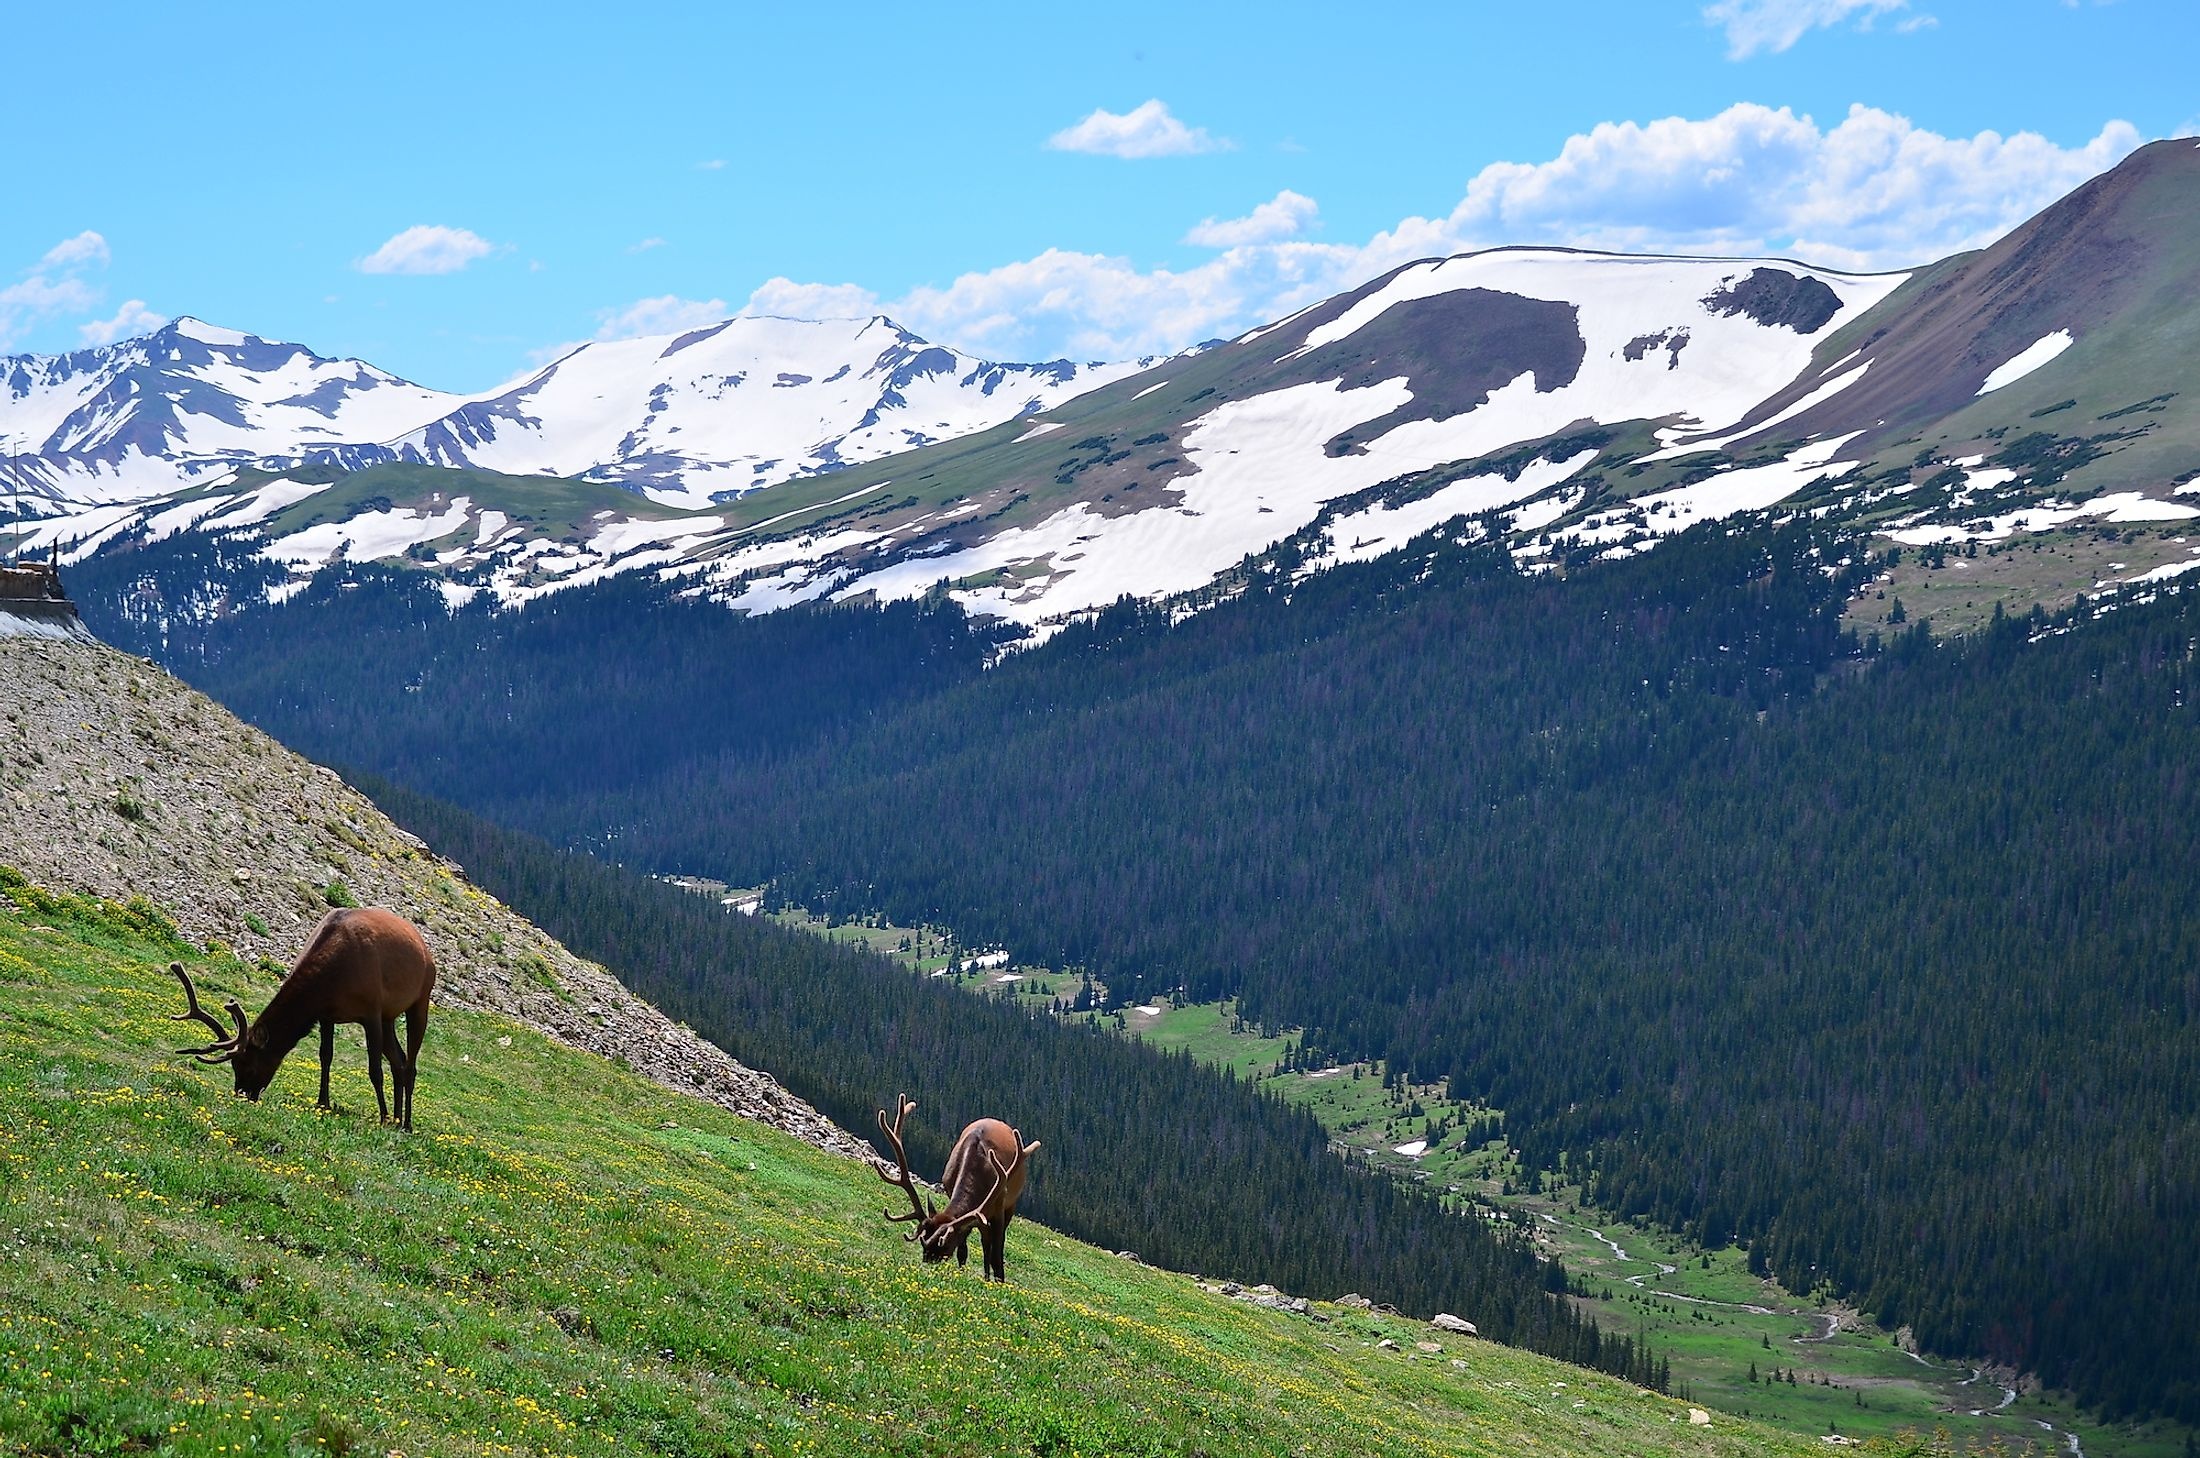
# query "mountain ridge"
(189, 401)
(1574, 404)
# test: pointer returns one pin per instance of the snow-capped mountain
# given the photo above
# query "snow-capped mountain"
(143, 417)
(1572, 404)
(742, 404)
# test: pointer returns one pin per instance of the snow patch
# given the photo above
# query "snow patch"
(1364, 535)
(2034, 355)
(366, 537)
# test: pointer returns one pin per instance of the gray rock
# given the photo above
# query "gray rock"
(1445, 1321)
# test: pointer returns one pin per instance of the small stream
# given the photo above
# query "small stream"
(1663, 1269)
(1833, 1325)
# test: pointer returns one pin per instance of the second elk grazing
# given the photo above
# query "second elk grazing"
(364, 966)
(983, 1181)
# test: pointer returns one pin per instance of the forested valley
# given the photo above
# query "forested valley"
(1183, 1165)
(1882, 957)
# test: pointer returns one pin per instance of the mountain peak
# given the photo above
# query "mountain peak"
(188, 326)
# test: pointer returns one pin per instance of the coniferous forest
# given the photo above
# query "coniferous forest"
(1881, 957)
(1191, 1168)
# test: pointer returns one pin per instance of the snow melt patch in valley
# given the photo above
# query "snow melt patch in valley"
(1810, 401)
(2116, 507)
(2034, 355)
(276, 495)
(367, 536)
(1747, 488)
(1365, 535)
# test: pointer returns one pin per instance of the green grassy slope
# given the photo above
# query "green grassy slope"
(567, 1259)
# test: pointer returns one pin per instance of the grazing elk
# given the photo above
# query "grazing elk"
(360, 966)
(983, 1181)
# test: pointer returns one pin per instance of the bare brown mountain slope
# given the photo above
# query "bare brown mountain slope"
(2116, 264)
(117, 780)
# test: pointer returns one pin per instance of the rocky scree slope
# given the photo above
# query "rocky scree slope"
(117, 780)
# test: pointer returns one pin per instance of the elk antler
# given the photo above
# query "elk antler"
(902, 1106)
(977, 1212)
(225, 1043)
(235, 1010)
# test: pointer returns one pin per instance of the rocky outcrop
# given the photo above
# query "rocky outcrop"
(117, 780)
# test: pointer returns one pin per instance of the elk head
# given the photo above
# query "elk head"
(250, 1060)
(938, 1233)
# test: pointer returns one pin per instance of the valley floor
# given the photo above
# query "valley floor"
(1716, 1321)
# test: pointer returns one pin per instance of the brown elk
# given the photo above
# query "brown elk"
(360, 966)
(983, 1181)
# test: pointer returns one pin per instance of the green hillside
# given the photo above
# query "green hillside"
(566, 1259)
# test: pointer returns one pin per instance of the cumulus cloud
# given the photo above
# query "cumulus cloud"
(645, 245)
(783, 298)
(1872, 191)
(1285, 215)
(132, 318)
(426, 249)
(1774, 25)
(664, 314)
(86, 250)
(1146, 130)
(1092, 306)
(54, 286)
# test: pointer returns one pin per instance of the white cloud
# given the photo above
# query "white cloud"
(715, 164)
(1090, 306)
(783, 298)
(1774, 25)
(85, 249)
(1146, 130)
(1873, 191)
(645, 245)
(53, 286)
(1285, 215)
(427, 248)
(132, 318)
(664, 314)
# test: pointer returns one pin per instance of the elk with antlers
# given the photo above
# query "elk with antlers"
(360, 966)
(983, 1181)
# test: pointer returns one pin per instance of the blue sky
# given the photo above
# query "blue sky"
(455, 192)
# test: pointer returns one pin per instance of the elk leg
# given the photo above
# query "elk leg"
(416, 1028)
(996, 1250)
(328, 1056)
(374, 1065)
(962, 1248)
(400, 1069)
